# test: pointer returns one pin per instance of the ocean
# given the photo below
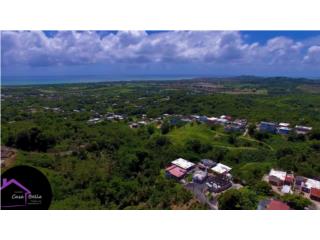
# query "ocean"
(42, 80)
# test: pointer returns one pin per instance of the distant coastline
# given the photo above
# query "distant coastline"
(7, 81)
(46, 80)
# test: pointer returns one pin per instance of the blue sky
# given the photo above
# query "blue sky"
(211, 53)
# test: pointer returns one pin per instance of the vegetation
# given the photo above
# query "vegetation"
(109, 165)
(243, 199)
(296, 202)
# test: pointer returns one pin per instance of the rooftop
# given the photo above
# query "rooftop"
(176, 171)
(311, 183)
(212, 118)
(315, 192)
(185, 164)
(286, 189)
(221, 168)
(303, 128)
(200, 175)
(279, 174)
(267, 123)
(277, 205)
(208, 162)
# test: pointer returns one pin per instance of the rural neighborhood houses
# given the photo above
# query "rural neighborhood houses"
(287, 183)
(282, 128)
(204, 178)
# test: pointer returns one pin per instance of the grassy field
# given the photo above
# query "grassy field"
(216, 138)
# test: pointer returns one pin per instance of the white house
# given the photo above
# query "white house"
(221, 168)
(185, 164)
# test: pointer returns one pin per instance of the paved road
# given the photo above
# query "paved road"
(199, 192)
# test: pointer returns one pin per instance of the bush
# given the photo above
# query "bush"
(295, 201)
(233, 199)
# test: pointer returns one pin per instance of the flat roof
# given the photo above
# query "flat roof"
(306, 128)
(267, 123)
(277, 205)
(282, 124)
(212, 118)
(221, 168)
(311, 183)
(185, 164)
(286, 189)
(279, 174)
(176, 171)
(285, 128)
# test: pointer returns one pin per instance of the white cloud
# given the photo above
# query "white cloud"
(34, 48)
(313, 55)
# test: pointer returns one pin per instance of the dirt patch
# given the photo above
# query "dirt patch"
(310, 88)
(8, 157)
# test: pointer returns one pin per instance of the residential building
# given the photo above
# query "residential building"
(203, 118)
(234, 128)
(299, 181)
(272, 204)
(309, 184)
(302, 129)
(229, 118)
(222, 121)
(277, 178)
(284, 130)
(221, 169)
(289, 180)
(184, 164)
(208, 163)
(218, 183)
(284, 124)
(199, 176)
(94, 120)
(212, 120)
(269, 127)
(315, 194)
(175, 172)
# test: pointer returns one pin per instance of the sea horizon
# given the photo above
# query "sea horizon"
(74, 79)
(65, 79)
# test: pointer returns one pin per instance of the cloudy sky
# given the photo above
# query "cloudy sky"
(214, 53)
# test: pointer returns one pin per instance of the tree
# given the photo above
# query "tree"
(196, 146)
(165, 128)
(232, 139)
(261, 136)
(294, 137)
(282, 152)
(34, 139)
(233, 199)
(162, 141)
(251, 129)
(295, 201)
(262, 188)
(315, 134)
(151, 129)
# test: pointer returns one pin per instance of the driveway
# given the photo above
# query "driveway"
(199, 191)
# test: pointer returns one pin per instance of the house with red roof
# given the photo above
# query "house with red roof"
(315, 194)
(277, 205)
(272, 204)
(289, 180)
(175, 172)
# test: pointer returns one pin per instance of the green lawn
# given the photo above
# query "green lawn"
(216, 138)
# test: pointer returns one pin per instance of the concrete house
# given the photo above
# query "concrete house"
(277, 178)
(268, 127)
